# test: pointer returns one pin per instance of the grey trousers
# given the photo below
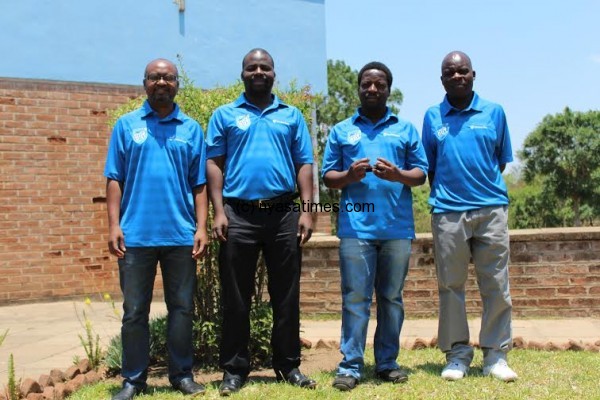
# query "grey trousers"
(480, 235)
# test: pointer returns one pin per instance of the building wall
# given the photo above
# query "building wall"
(553, 273)
(53, 141)
(111, 41)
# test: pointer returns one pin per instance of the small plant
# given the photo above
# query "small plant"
(12, 392)
(261, 321)
(114, 355)
(3, 336)
(158, 346)
(91, 344)
(158, 339)
(90, 340)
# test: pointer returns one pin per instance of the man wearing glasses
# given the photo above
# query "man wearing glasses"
(157, 211)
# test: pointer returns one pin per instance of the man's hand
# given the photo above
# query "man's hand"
(200, 243)
(116, 241)
(358, 170)
(385, 169)
(219, 228)
(305, 227)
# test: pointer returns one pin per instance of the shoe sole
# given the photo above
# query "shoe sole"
(307, 386)
(507, 380)
(227, 392)
(342, 387)
(452, 379)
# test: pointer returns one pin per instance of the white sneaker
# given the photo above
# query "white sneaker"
(500, 370)
(454, 371)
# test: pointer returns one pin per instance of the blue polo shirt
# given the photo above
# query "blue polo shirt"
(158, 161)
(394, 139)
(261, 148)
(465, 149)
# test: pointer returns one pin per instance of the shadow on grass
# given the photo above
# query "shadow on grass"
(430, 368)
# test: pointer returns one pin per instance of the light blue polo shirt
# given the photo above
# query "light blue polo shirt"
(393, 139)
(465, 149)
(261, 148)
(158, 161)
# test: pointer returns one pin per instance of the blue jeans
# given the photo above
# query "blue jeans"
(137, 271)
(364, 265)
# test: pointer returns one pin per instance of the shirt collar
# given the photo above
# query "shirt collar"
(388, 116)
(446, 107)
(175, 114)
(242, 101)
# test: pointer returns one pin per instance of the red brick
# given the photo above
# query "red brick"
(541, 292)
(572, 291)
(585, 302)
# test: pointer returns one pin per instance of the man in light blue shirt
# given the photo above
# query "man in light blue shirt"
(374, 157)
(157, 211)
(259, 151)
(467, 143)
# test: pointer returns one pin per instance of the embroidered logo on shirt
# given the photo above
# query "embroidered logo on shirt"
(243, 121)
(390, 134)
(176, 139)
(140, 135)
(354, 136)
(442, 132)
(278, 121)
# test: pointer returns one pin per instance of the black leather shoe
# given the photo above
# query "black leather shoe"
(189, 387)
(345, 382)
(393, 375)
(231, 384)
(128, 392)
(296, 378)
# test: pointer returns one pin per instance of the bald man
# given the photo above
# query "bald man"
(467, 143)
(259, 157)
(157, 211)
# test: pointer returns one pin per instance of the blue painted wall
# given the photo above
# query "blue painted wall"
(111, 41)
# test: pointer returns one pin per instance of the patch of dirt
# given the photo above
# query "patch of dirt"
(313, 360)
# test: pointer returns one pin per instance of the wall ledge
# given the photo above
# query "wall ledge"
(516, 235)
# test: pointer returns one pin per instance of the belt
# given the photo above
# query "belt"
(285, 198)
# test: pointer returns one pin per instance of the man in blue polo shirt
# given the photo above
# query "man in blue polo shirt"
(375, 158)
(258, 150)
(468, 145)
(157, 211)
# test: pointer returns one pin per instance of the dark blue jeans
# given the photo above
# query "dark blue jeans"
(137, 271)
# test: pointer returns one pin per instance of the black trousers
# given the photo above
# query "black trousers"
(275, 233)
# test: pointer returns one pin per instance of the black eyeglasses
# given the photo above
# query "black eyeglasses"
(155, 78)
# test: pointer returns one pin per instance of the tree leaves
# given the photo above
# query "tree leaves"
(563, 152)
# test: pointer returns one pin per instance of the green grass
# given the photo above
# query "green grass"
(542, 375)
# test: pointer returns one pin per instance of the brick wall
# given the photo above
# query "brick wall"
(553, 272)
(53, 139)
